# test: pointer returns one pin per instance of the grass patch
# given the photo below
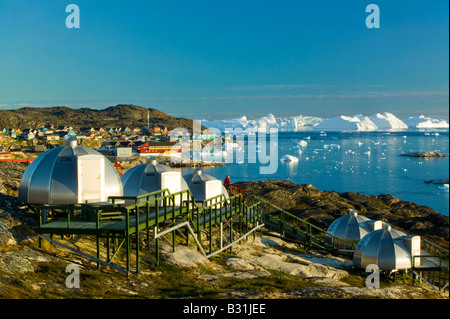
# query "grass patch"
(276, 282)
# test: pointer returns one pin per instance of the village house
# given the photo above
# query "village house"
(28, 136)
(142, 148)
(158, 149)
(39, 148)
(51, 137)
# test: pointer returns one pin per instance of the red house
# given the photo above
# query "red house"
(158, 148)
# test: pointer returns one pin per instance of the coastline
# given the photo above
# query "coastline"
(257, 263)
(319, 207)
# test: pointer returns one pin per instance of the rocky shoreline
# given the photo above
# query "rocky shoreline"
(264, 267)
(430, 154)
(321, 208)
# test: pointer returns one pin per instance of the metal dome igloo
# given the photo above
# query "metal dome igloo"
(386, 249)
(351, 226)
(68, 175)
(204, 186)
(151, 177)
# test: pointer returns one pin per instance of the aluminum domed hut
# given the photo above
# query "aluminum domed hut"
(148, 178)
(387, 249)
(204, 186)
(351, 226)
(68, 175)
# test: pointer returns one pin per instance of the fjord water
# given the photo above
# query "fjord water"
(363, 162)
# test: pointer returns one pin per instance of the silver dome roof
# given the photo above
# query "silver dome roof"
(151, 177)
(351, 226)
(383, 249)
(204, 186)
(69, 175)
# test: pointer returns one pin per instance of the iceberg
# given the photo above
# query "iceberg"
(423, 121)
(387, 121)
(295, 123)
(331, 147)
(342, 123)
(240, 122)
(289, 158)
(302, 143)
(292, 123)
(358, 122)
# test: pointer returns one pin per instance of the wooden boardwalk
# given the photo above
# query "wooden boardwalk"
(154, 212)
(158, 213)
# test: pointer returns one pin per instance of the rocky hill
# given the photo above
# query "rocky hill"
(122, 115)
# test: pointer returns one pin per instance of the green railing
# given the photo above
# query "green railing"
(240, 212)
(289, 225)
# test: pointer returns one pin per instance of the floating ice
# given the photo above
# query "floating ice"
(289, 158)
(342, 123)
(425, 122)
(387, 121)
(378, 121)
(302, 143)
(331, 147)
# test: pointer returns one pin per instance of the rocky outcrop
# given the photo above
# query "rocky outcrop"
(438, 181)
(321, 208)
(272, 253)
(21, 260)
(6, 237)
(430, 154)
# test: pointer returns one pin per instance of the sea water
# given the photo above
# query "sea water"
(362, 162)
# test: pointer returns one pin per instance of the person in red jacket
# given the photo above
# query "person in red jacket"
(227, 181)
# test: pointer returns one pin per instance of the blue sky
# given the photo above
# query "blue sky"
(222, 59)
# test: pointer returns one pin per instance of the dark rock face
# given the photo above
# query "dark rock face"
(321, 208)
(438, 182)
(425, 154)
